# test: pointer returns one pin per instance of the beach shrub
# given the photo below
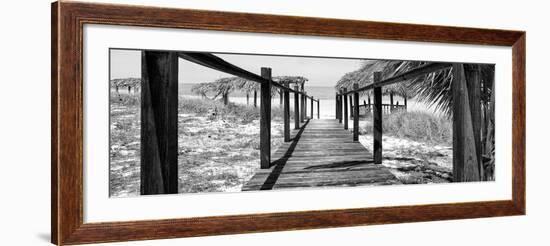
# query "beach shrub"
(415, 125)
(215, 109)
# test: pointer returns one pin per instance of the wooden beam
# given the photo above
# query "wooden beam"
(428, 68)
(286, 114)
(296, 109)
(377, 121)
(345, 116)
(355, 113)
(265, 120)
(159, 123)
(465, 161)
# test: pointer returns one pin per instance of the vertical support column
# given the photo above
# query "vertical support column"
(336, 106)
(296, 108)
(281, 97)
(465, 158)
(345, 116)
(265, 120)
(340, 102)
(159, 123)
(247, 99)
(356, 113)
(286, 113)
(377, 120)
(255, 98)
(350, 105)
(391, 102)
(311, 113)
(302, 104)
(305, 105)
(318, 109)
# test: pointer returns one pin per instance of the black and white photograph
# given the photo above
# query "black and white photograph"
(197, 122)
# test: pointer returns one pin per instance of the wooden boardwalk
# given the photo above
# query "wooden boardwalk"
(321, 153)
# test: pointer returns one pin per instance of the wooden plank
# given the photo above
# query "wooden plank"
(296, 109)
(377, 120)
(356, 113)
(265, 120)
(286, 113)
(345, 115)
(465, 162)
(159, 123)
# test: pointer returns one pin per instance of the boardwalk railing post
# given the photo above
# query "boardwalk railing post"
(465, 158)
(351, 106)
(391, 102)
(356, 113)
(286, 113)
(339, 110)
(255, 98)
(296, 108)
(305, 105)
(159, 123)
(336, 106)
(265, 120)
(345, 116)
(318, 107)
(377, 120)
(311, 113)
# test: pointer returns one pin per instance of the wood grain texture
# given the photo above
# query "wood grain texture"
(321, 154)
(68, 19)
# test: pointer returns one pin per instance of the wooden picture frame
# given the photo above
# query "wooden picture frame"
(68, 20)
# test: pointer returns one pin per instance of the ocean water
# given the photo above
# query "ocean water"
(326, 96)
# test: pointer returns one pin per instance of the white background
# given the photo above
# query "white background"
(25, 127)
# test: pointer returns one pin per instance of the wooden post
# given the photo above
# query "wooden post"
(336, 104)
(350, 105)
(281, 97)
(305, 105)
(340, 109)
(247, 98)
(345, 109)
(296, 108)
(265, 119)
(473, 82)
(391, 102)
(318, 111)
(377, 120)
(465, 160)
(405, 102)
(286, 113)
(356, 113)
(159, 123)
(311, 113)
(255, 98)
(302, 104)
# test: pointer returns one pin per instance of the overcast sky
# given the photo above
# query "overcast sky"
(319, 71)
